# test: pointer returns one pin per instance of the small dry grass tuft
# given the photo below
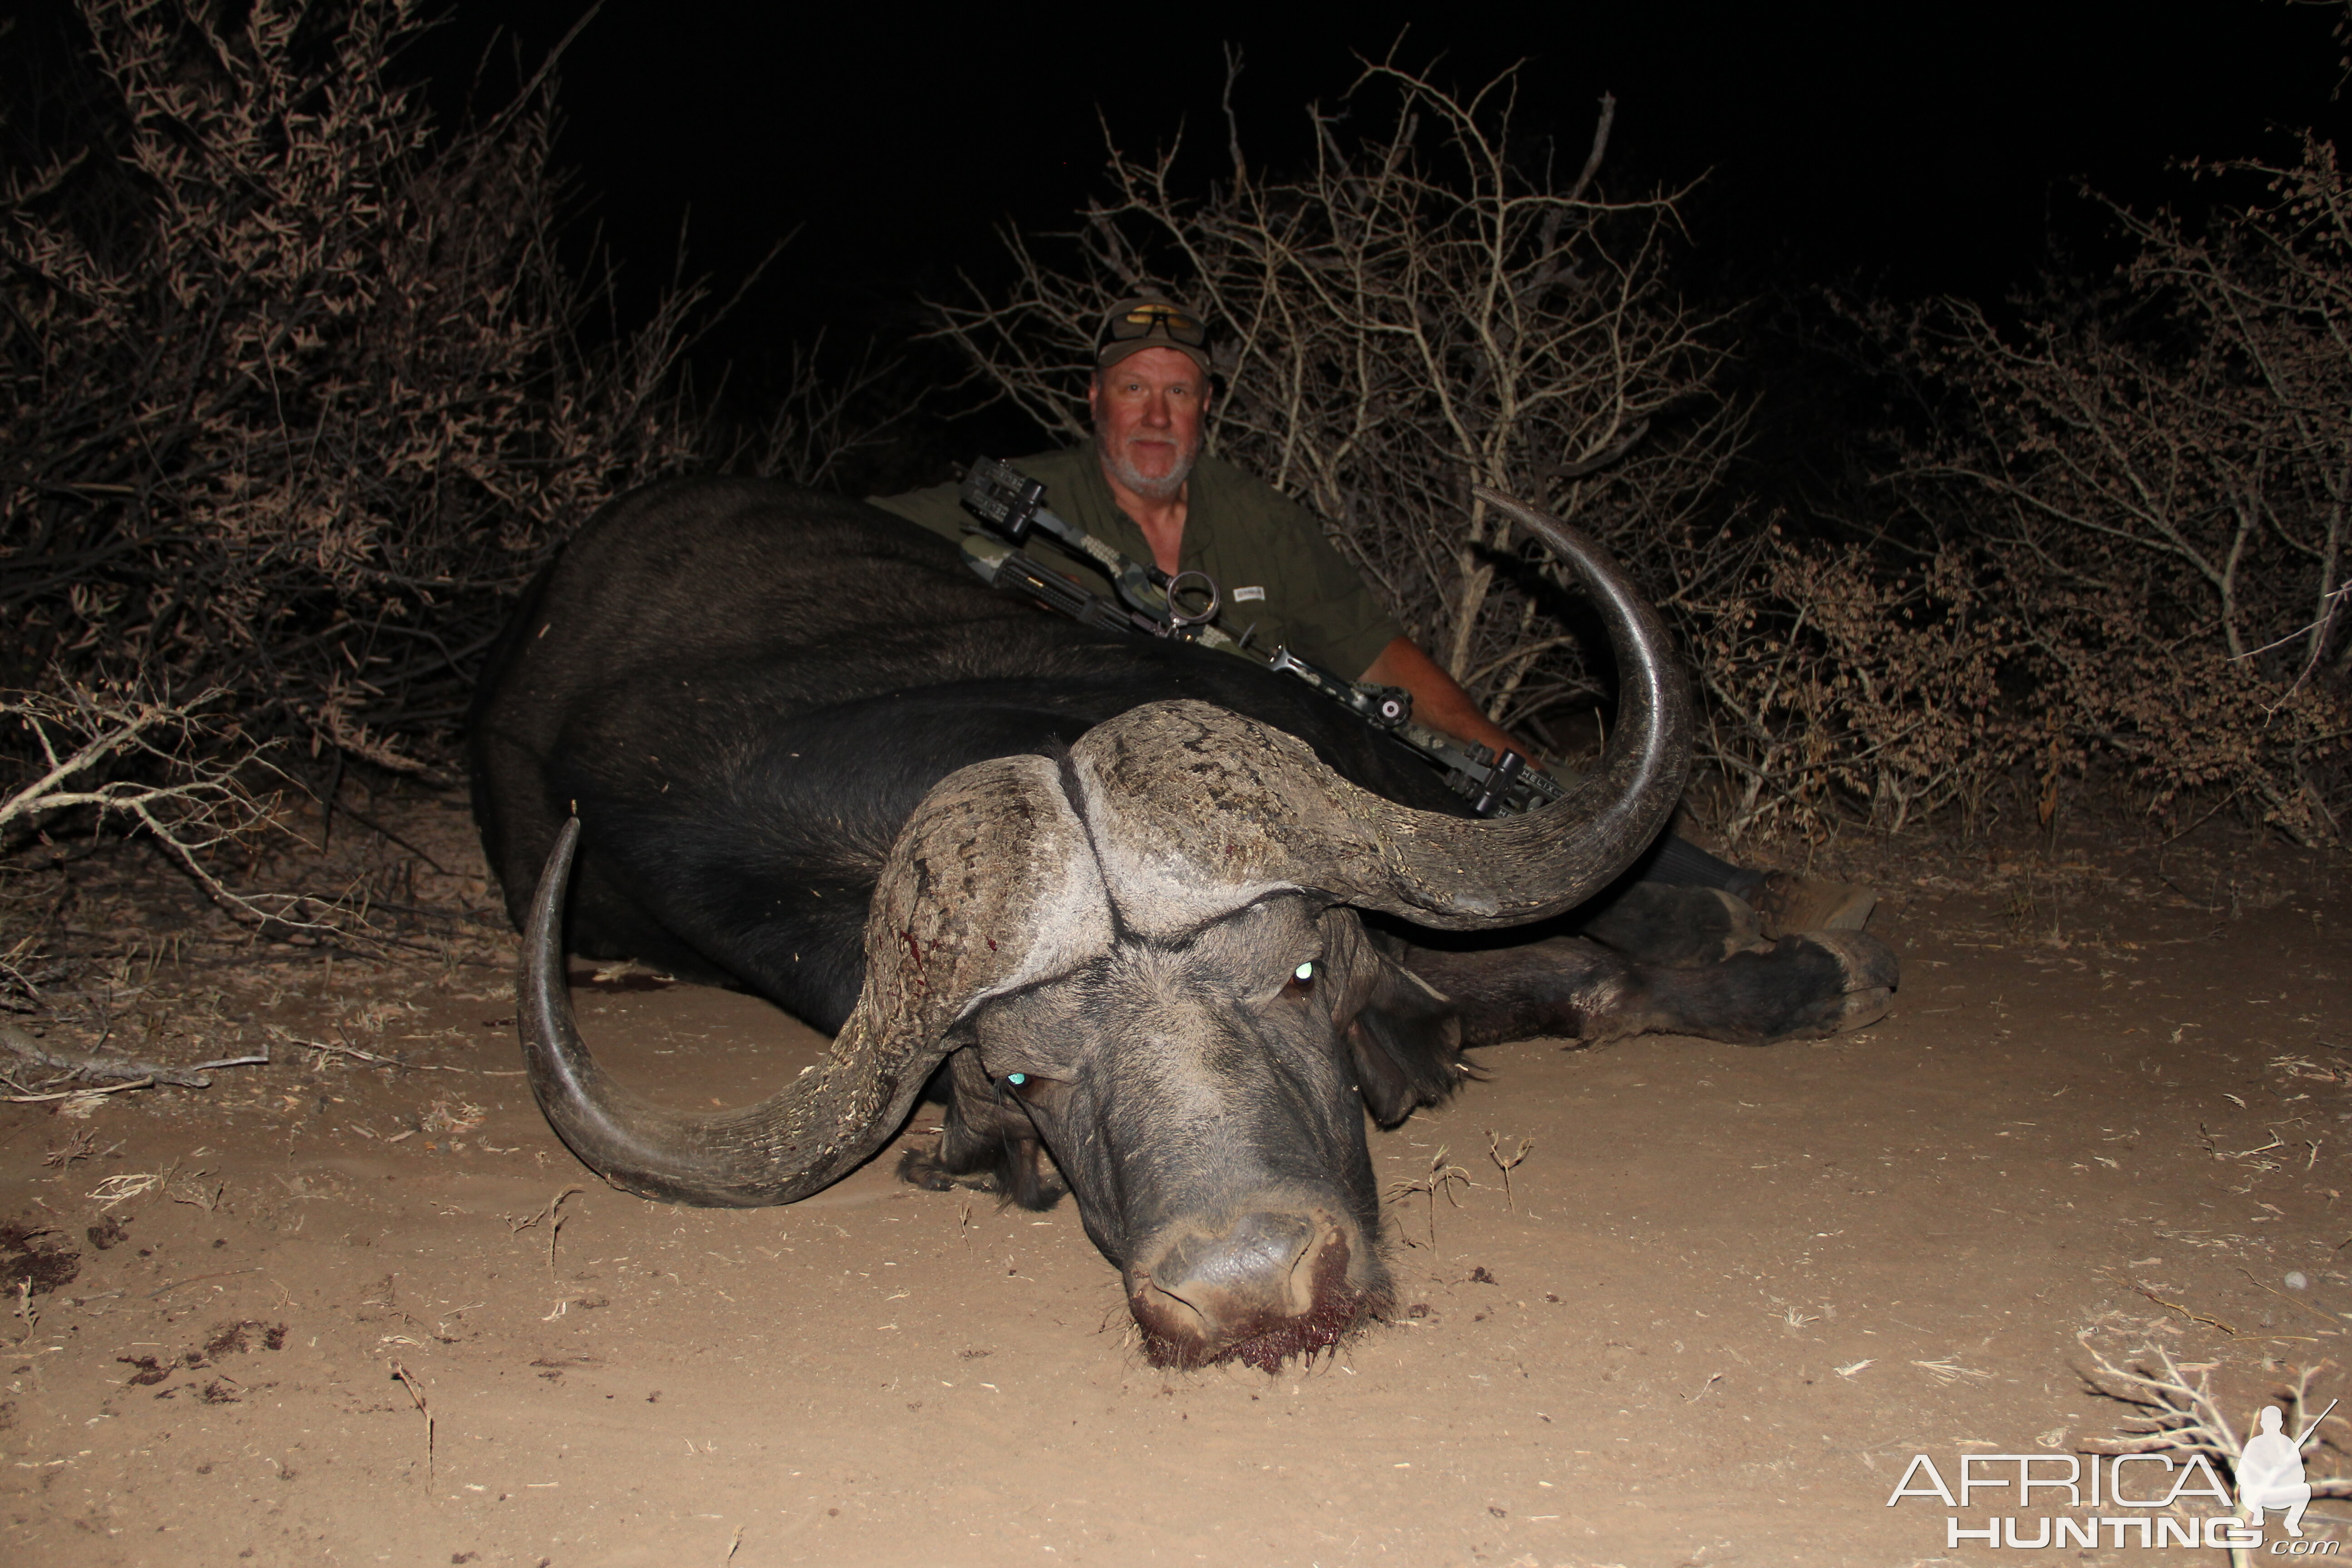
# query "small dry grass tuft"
(1443, 1178)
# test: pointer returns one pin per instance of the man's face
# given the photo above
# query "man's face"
(1147, 411)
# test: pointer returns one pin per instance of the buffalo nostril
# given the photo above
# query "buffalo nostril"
(1273, 1285)
(1255, 1263)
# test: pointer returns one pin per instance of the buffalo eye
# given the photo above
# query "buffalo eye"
(1024, 1086)
(1301, 980)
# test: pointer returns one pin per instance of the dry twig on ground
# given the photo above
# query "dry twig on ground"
(92, 1068)
(1443, 1178)
(407, 1380)
(2179, 1414)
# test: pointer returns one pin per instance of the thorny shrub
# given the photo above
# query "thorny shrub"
(2155, 481)
(1836, 684)
(296, 393)
(293, 396)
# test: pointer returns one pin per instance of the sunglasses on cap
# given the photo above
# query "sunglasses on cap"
(1153, 318)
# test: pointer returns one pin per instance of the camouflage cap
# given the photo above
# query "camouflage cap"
(1146, 322)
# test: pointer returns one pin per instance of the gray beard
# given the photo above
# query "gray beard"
(1162, 488)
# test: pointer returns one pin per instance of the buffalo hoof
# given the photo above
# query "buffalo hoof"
(1799, 988)
(1273, 1286)
(1863, 972)
(1790, 905)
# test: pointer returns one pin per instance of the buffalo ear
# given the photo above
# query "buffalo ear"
(1405, 1043)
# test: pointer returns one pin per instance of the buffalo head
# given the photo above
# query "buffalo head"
(1141, 961)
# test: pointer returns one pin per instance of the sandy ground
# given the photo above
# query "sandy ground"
(358, 1305)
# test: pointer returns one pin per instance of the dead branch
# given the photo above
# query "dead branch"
(105, 1069)
(2178, 1411)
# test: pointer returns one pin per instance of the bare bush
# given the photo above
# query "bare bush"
(292, 385)
(2156, 479)
(181, 774)
(1843, 682)
(90, 746)
(1431, 304)
(295, 394)
(2177, 1412)
(823, 418)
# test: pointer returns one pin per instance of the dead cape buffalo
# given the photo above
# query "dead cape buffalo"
(1103, 894)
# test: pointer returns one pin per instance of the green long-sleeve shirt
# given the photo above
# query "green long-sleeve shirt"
(1282, 584)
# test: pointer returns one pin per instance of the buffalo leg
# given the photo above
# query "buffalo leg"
(1658, 923)
(1800, 987)
(984, 1142)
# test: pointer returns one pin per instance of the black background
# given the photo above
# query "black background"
(1917, 148)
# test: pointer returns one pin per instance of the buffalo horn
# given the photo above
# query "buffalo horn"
(989, 888)
(1195, 810)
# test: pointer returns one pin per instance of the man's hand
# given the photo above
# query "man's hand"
(1437, 702)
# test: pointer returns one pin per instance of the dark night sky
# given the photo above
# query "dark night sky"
(1918, 146)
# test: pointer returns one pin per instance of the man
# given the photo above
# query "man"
(1144, 486)
(2270, 1474)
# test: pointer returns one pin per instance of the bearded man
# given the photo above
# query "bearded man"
(1145, 485)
